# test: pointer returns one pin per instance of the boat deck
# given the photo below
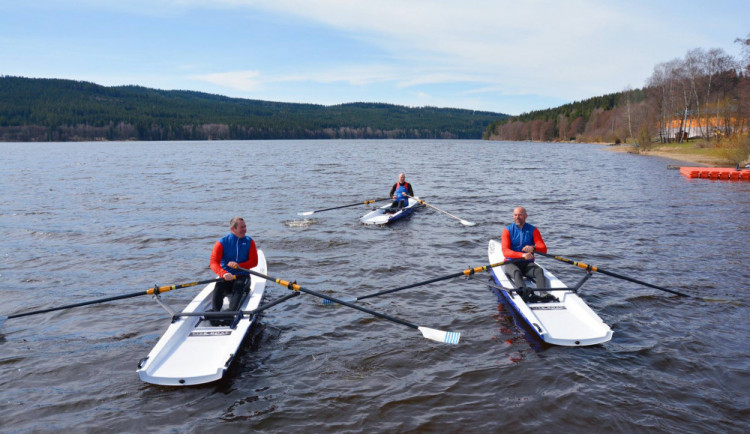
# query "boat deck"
(569, 321)
(192, 351)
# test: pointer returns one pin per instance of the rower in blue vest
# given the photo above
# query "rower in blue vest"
(399, 193)
(519, 241)
(234, 249)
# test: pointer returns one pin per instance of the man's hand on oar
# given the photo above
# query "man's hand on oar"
(151, 291)
(609, 273)
(467, 272)
(432, 334)
(343, 206)
(463, 222)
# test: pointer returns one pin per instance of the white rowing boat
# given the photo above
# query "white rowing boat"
(192, 351)
(380, 216)
(567, 320)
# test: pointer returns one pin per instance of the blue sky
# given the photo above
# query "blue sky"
(495, 55)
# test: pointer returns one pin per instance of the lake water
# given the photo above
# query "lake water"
(82, 221)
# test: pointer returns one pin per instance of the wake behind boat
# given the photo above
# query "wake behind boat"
(558, 317)
(381, 216)
(192, 351)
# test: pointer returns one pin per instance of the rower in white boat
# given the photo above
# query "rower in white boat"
(400, 193)
(233, 250)
(553, 311)
(519, 241)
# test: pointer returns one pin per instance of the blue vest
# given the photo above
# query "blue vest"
(401, 193)
(237, 250)
(519, 238)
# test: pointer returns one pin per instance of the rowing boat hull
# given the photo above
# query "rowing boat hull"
(379, 216)
(566, 322)
(192, 351)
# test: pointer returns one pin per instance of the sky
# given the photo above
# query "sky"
(501, 56)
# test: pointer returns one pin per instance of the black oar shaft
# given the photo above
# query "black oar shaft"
(296, 287)
(232, 313)
(400, 288)
(609, 273)
(117, 297)
(271, 304)
(466, 272)
(366, 202)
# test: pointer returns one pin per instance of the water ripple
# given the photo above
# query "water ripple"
(148, 217)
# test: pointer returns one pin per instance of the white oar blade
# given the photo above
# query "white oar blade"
(440, 336)
(348, 300)
(467, 223)
(306, 213)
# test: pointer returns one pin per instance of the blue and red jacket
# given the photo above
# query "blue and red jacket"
(514, 239)
(231, 248)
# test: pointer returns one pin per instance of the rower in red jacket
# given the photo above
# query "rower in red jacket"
(519, 241)
(234, 249)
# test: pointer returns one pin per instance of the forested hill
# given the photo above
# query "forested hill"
(66, 110)
(592, 119)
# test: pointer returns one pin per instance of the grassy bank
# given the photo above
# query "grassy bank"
(727, 153)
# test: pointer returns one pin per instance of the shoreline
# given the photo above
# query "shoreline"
(678, 154)
(666, 152)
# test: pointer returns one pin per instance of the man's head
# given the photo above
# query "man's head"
(519, 216)
(401, 178)
(237, 226)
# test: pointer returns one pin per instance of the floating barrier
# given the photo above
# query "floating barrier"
(717, 173)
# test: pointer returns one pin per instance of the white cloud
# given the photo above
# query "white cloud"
(246, 81)
(480, 48)
(505, 43)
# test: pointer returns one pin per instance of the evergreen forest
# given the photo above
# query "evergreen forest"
(33, 109)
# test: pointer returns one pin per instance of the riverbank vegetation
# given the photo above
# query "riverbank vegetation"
(66, 110)
(700, 102)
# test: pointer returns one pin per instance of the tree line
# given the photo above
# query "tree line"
(67, 110)
(706, 94)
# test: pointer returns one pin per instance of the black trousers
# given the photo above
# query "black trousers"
(518, 270)
(398, 204)
(235, 289)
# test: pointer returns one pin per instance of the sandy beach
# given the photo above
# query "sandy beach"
(671, 153)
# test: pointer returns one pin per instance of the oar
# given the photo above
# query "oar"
(342, 206)
(154, 290)
(467, 272)
(432, 334)
(519, 291)
(463, 222)
(233, 313)
(609, 273)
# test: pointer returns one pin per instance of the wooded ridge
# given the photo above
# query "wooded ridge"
(33, 109)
